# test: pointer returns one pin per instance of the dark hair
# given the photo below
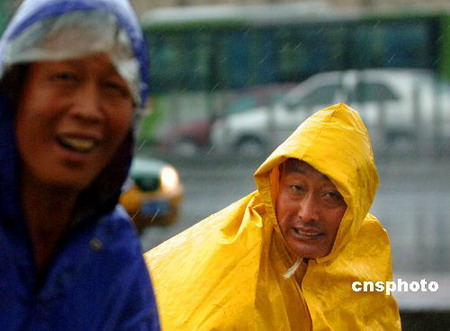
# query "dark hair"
(11, 85)
(290, 165)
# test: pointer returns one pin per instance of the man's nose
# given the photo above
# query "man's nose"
(87, 103)
(308, 208)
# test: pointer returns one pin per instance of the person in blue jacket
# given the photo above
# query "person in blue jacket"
(73, 79)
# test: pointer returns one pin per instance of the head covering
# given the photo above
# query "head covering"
(227, 271)
(64, 29)
(336, 143)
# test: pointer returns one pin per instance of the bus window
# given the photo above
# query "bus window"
(392, 45)
(406, 45)
(180, 61)
(245, 57)
(305, 51)
(233, 62)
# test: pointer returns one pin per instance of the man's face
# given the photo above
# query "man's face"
(72, 117)
(309, 209)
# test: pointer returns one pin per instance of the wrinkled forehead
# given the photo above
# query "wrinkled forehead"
(301, 167)
(75, 35)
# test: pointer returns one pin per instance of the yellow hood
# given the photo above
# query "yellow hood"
(226, 272)
(335, 142)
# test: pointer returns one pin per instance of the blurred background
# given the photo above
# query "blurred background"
(230, 80)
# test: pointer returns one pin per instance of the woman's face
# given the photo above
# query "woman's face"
(71, 118)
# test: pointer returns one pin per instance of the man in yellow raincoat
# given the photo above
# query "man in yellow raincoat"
(285, 256)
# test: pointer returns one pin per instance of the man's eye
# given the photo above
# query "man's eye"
(296, 188)
(117, 88)
(63, 76)
(335, 196)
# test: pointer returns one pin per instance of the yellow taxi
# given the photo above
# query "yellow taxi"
(153, 193)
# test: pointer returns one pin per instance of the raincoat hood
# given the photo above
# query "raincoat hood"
(336, 143)
(227, 272)
(24, 39)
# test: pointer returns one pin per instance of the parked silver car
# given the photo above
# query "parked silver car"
(397, 105)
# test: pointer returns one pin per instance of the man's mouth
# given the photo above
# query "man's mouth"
(77, 144)
(308, 233)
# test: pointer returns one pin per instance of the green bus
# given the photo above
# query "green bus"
(202, 55)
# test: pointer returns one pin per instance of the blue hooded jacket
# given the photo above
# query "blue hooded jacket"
(98, 279)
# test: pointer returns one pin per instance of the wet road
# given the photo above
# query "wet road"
(413, 203)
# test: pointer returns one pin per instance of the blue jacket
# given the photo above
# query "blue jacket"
(98, 280)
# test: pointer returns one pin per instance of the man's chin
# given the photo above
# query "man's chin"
(311, 251)
(68, 185)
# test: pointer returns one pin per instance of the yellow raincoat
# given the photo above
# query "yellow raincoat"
(226, 272)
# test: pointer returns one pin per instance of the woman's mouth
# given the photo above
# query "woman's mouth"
(77, 144)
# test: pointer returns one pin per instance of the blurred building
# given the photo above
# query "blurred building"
(144, 5)
(7, 6)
